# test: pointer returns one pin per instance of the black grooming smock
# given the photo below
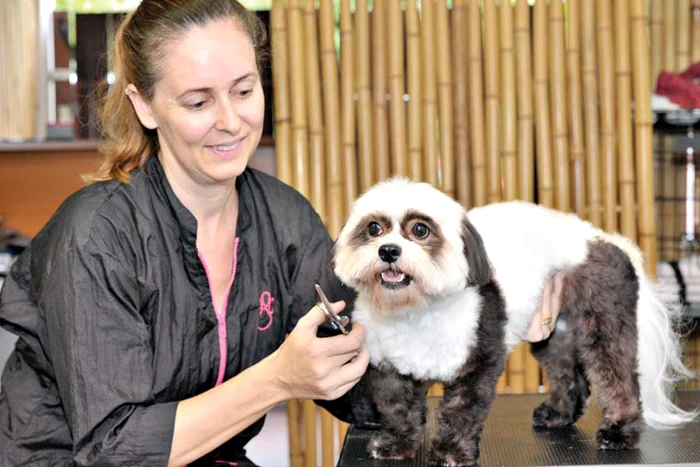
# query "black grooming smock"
(116, 325)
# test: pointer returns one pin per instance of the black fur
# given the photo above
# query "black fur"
(596, 341)
(401, 399)
(475, 253)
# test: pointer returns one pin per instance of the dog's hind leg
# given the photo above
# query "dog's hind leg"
(570, 390)
(601, 296)
(401, 403)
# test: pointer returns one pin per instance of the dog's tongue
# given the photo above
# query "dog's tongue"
(392, 276)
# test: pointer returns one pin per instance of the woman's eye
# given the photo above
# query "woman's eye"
(245, 93)
(420, 230)
(197, 105)
(375, 229)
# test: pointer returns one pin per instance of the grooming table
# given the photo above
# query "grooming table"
(508, 439)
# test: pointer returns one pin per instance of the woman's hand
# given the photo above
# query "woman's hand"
(309, 367)
(545, 318)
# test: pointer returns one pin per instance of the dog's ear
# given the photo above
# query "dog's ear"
(475, 253)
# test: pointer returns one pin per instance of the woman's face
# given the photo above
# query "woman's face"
(208, 107)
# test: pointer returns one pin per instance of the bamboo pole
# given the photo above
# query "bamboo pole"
(670, 29)
(413, 65)
(542, 119)
(502, 22)
(300, 152)
(682, 35)
(461, 111)
(509, 113)
(476, 106)
(558, 85)
(667, 190)
(327, 444)
(643, 133)
(347, 103)
(317, 148)
(364, 97)
(444, 84)
(296, 458)
(576, 145)
(590, 113)
(695, 32)
(280, 77)
(331, 117)
(607, 114)
(379, 91)
(492, 101)
(430, 141)
(656, 38)
(397, 88)
(523, 55)
(623, 92)
(309, 413)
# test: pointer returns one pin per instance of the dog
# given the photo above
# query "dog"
(445, 294)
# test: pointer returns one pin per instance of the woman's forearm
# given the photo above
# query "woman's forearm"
(204, 422)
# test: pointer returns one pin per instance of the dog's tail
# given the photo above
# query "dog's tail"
(659, 348)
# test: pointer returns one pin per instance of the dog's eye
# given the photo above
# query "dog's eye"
(420, 230)
(375, 229)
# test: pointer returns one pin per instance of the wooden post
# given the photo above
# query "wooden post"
(430, 142)
(364, 98)
(415, 95)
(331, 117)
(460, 58)
(300, 135)
(444, 82)
(379, 91)
(623, 92)
(523, 55)
(347, 103)
(576, 146)
(280, 77)
(590, 112)
(476, 106)
(492, 101)
(509, 114)
(643, 133)
(607, 115)
(560, 131)
(542, 120)
(397, 88)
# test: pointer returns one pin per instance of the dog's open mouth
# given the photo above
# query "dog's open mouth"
(395, 279)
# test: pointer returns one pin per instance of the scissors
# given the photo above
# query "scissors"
(337, 322)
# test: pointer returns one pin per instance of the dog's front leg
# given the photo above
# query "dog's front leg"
(401, 403)
(468, 398)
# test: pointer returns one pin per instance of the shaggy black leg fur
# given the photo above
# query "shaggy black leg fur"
(401, 402)
(600, 301)
(468, 399)
(569, 387)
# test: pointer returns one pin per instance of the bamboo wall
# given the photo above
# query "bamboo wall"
(19, 49)
(487, 100)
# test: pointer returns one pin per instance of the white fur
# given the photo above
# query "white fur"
(430, 344)
(525, 243)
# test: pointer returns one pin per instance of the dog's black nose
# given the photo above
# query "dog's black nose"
(390, 252)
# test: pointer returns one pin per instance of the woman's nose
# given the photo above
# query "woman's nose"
(228, 118)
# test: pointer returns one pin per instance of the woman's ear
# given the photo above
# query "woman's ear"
(475, 254)
(142, 107)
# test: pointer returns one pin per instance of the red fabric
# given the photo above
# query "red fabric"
(681, 88)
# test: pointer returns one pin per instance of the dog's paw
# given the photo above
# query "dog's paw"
(547, 418)
(453, 454)
(618, 436)
(385, 446)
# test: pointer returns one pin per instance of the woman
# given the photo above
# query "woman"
(153, 307)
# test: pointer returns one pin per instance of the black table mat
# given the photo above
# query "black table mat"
(509, 440)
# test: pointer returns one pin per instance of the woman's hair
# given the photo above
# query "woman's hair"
(140, 47)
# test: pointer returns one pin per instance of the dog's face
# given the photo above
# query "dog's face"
(406, 244)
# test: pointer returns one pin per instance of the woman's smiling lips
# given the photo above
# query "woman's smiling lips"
(226, 151)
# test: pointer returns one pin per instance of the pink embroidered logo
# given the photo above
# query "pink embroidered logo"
(266, 300)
